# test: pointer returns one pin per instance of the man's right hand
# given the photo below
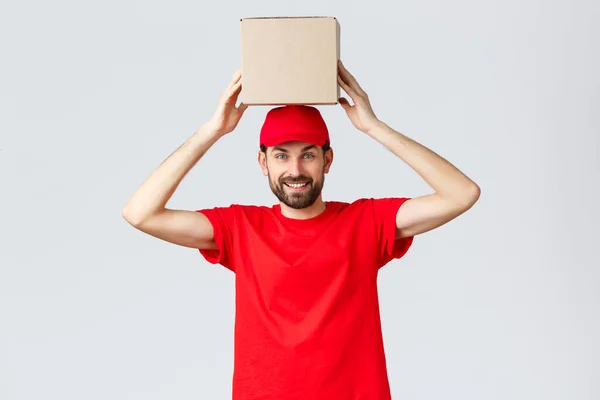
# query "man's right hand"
(227, 115)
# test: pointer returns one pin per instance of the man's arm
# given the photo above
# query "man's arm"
(454, 193)
(146, 209)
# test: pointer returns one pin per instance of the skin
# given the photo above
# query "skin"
(453, 192)
(297, 162)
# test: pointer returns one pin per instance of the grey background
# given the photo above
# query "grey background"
(502, 303)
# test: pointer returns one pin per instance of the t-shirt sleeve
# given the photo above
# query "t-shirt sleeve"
(222, 220)
(385, 210)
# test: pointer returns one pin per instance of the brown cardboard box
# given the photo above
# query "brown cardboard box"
(290, 60)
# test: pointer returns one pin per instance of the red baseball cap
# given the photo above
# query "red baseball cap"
(294, 122)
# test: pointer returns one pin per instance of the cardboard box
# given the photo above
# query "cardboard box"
(290, 60)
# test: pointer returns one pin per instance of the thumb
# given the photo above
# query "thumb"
(344, 103)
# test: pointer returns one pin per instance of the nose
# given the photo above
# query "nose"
(295, 167)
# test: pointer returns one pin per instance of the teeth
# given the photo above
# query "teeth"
(296, 185)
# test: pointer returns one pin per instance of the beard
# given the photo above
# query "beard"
(297, 200)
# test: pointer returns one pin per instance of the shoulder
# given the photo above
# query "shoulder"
(369, 203)
(237, 207)
(236, 211)
(369, 209)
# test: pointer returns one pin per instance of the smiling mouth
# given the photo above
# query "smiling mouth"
(296, 185)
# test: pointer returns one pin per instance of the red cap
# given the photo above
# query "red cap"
(294, 122)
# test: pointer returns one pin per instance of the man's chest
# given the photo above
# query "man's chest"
(302, 270)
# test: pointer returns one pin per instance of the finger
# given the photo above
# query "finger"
(345, 104)
(242, 107)
(233, 92)
(350, 79)
(237, 75)
(351, 92)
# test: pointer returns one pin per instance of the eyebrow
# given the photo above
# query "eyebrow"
(284, 150)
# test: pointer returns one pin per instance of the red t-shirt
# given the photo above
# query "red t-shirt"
(307, 322)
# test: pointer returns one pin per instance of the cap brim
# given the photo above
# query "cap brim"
(295, 137)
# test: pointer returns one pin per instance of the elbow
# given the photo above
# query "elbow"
(132, 217)
(137, 216)
(127, 215)
(465, 198)
(471, 195)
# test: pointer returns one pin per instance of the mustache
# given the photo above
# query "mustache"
(300, 178)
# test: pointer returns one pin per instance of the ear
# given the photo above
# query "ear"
(328, 160)
(262, 161)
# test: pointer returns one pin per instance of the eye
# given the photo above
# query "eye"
(308, 155)
(279, 156)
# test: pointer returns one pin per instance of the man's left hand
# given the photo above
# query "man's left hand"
(361, 113)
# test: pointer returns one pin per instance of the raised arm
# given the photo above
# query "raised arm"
(146, 210)
(454, 193)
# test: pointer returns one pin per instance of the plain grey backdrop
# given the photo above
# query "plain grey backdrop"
(502, 303)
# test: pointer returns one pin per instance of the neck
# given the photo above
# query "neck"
(305, 213)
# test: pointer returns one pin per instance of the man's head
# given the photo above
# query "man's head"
(295, 154)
